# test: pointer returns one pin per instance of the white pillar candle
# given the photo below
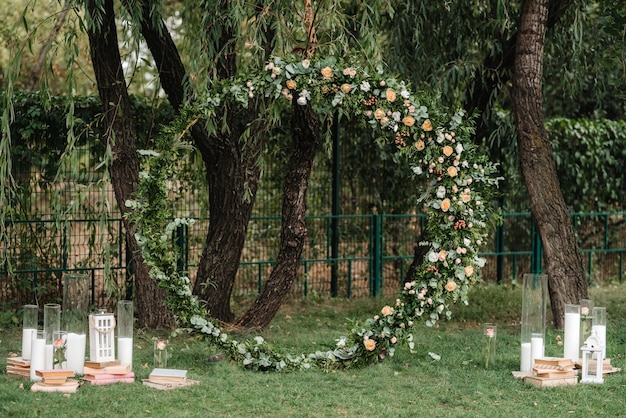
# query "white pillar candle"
(571, 336)
(75, 352)
(125, 350)
(48, 357)
(536, 348)
(601, 334)
(37, 355)
(525, 365)
(27, 338)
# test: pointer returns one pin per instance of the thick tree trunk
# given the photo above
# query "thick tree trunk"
(231, 176)
(564, 263)
(124, 168)
(232, 173)
(305, 127)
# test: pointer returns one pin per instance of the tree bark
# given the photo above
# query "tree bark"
(232, 173)
(305, 132)
(564, 265)
(124, 167)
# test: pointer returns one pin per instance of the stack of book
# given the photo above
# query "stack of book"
(55, 380)
(165, 379)
(16, 366)
(106, 372)
(553, 371)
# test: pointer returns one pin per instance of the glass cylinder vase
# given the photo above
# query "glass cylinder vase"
(51, 323)
(59, 350)
(489, 344)
(586, 321)
(533, 321)
(30, 323)
(76, 318)
(125, 331)
(598, 324)
(571, 334)
(160, 353)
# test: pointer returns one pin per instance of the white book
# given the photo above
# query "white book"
(167, 375)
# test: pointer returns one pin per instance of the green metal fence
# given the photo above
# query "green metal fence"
(345, 256)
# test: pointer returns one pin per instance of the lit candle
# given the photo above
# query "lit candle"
(571, 332)
(76, 344)
(525, 364)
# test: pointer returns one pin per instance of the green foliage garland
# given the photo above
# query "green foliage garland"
(461, 183)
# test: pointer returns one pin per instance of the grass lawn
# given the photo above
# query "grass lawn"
(406, 385)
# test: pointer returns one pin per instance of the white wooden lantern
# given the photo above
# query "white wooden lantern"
(101, 336)
(592, 350)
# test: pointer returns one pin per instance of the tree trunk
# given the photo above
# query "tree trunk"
(305, 132)
(232, 173)
(124, 167)
(564, 263)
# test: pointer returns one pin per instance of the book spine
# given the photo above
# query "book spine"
(110, 381)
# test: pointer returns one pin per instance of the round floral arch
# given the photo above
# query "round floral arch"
(460, 182)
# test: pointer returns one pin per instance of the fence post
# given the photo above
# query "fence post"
(182, 242)
(535, 259)
(499, 253)
(376, 255)
(335, 209)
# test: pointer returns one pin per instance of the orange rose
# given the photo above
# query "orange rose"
(387, 310)
(346, 88)
(445, 205)
(427, 125)
(408, 120)
(448, 150)
(390, 95)
(327, 72)
(370, 345)
(291, 85)
(420, 145)
(452, 171)
(450, 286)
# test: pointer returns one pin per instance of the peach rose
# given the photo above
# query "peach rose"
(420, 145)
(465, 197)
(442, 255)
(408, 120)
(390, 95)
(327, 72)
(370, 345)
(469, 270)
(346, 88)
(349, 72)
(387, 310)
(291, 85)
(452, 171)
(445, 205)
(450, 286)
(379, 113)
(448, 150)
(427, 125)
